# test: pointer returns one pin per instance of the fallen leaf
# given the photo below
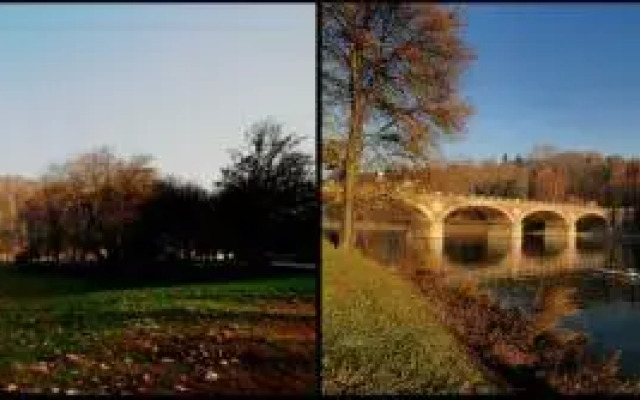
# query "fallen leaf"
(73, 358)
(211, 376)
(180, 388)
(41, 367)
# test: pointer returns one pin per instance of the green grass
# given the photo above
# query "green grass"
(44, 316)
(379, 336)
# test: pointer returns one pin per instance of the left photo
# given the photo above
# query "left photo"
(158, 199)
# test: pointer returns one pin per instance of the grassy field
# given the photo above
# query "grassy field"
(379, 336)
(64, 335)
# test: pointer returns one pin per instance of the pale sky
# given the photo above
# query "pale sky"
(178, 82)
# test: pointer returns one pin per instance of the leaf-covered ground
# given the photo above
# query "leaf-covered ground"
(63, 335)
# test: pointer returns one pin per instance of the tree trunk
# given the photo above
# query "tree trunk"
(354, 148)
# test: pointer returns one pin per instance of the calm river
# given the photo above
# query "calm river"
(599, 274)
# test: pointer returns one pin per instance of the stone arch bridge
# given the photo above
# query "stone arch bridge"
(436, 208)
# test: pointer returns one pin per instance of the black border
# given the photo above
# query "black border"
(319, 197)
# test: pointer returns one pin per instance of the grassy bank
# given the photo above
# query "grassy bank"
(66, 335)
(379, 335)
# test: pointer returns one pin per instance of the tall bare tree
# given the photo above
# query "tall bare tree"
(392, 70)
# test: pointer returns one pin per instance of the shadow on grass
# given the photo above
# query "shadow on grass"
(45, 312)
(22, 280)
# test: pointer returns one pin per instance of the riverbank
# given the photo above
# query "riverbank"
(526, 350)
(381, 337)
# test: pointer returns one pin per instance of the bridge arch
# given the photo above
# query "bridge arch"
(593, 215)
(591, 220)
(476, 219)
(546, 220)
(474, 234)
(487, 210)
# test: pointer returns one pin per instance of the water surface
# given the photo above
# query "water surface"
(596, 273)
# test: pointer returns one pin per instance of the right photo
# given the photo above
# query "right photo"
(481, 198)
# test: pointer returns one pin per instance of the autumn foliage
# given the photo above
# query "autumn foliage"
(101, 208)
(609, 180)
(390, 73)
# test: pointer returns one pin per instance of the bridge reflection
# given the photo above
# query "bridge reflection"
(488, 255)
(534, 255)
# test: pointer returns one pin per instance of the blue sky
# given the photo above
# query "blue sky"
(178, 82)
(566, 75)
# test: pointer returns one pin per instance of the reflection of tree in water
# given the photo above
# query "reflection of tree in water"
(385, 246)
(633, 254)
(608, 289)
(551, 304)
(382, 226)
(586, 290)
(620, 256)
(398, 247)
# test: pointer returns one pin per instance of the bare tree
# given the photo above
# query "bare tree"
(390, 74)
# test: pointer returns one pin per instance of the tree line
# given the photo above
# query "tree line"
(112, 210)
(562, 176)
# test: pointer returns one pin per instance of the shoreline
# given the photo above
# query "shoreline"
(552, 361)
